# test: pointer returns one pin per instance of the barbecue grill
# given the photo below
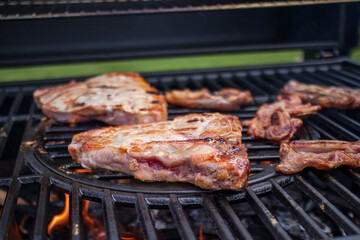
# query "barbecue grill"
(35, 161)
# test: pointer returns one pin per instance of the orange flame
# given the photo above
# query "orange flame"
(88, 221)
(83, 170)
(62, 219)
(95, 229)
(201, 237)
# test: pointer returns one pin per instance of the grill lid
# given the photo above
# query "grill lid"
(24, 9)
(119, 36)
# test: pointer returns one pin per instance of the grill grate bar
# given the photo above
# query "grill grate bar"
(355, 176)
(262, 147)
(343, 192)
(68, 129)
(58, 138)
(273, 79)
(348, 74)
(146, 222)
(265, 215)
(261, 82)
(76, 223)
(57, 146)
(336, 125)
(222, 228)
(2, 96)
(339, 76)
(355, 125)
(19, 158)
(42, 210)
(322, 131)
(61, 155)
(297, 211)
(248, 138)
(212, 83)
(325, 79)
(182, 222)
(326, 206)
(241, 80)
(109, 216)
(305, 79)
(233, 219)
(5, 131)
(262, 157)
(7, 214)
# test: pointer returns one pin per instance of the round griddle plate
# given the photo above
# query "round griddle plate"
(47, 153)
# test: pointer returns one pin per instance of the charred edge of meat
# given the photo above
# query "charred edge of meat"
(193, 120)
(320, 154)
(154, 92)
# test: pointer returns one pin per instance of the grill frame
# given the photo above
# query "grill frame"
(217, 205)
(19, 10)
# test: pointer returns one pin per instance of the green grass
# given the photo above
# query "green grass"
(147, 65)
(355, 54)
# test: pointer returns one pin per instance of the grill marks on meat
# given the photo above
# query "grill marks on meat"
(321, 154)
(227, 99)
(280, 120)
(115, 98)
(331, 96)
(202, 149)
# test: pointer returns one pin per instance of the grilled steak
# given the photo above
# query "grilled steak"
(202, 149)
(227, 99)
(321, 154)
(339, 97)
(115, 98)
(280, 120)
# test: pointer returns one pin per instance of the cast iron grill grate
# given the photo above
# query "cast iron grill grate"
(28, 166)
(26, 9)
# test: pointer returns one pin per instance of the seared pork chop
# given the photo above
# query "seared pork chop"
(321, 154)
(115, 98)
(202, 149)
(326, 96)
(227, 99)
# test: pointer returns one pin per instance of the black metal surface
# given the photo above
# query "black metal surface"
(219, 207)
(25, 9)
(54, 40)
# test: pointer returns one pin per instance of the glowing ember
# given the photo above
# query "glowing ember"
(62, 219)
(83, 170)
(14, 230)
(265, 162)
(201, 237)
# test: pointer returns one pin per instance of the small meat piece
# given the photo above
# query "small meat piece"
(321, 154)
(202, 149)
(331, 96)
(279, 121)
(227, 99)
(115, 98)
